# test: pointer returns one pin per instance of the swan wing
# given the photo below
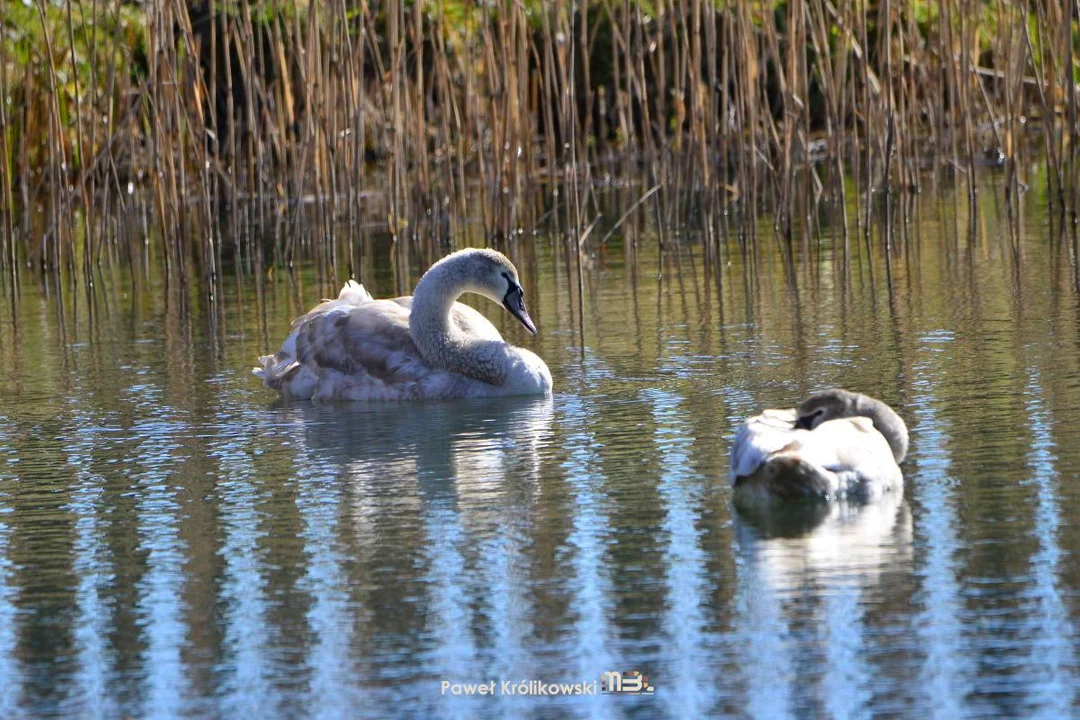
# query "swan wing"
(853, 450)
(759, 439)
(344, 348)
(373, 338)
(834, 459)
(278, 368)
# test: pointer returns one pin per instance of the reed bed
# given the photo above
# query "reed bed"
(252, 134)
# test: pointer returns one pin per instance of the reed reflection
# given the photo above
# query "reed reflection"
(689, 690)
(247, 684)
(92, 565)
(944, 669)
(1052, 636)
(11, 671)
(591, 582)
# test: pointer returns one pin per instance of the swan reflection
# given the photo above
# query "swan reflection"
(439, 492)
(398, 457)
(797, 543)
(806, 583)
(464, 440)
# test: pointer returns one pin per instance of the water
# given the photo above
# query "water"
(175, 542)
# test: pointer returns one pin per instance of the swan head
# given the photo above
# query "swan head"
(838, 403)
(514, 301)
(491, 274)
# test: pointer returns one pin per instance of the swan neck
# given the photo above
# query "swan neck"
(889, 424)
(436, 335)
(435, 295)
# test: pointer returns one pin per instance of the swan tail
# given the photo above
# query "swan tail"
(284, 373)
(354, 293)
(275, 369)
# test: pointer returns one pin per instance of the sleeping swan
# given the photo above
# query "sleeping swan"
(838, 444)
(424, 347)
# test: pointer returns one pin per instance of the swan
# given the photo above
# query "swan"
(424, 347)
(838, 444)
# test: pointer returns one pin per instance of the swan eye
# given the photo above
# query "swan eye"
(514, 293)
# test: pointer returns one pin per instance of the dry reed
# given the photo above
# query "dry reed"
(255, 134)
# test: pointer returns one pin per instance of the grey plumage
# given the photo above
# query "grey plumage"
(427, 346)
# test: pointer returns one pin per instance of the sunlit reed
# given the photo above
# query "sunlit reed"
(255, 134)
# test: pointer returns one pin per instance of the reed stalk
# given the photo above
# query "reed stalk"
(289, 131)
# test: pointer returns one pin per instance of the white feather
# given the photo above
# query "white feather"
(848, 456)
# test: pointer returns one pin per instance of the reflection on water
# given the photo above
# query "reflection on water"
(943, 679)
(1051, 659)
(829, 560)
(173, 541)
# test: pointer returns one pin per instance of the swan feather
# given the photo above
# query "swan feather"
(771, 457)
(355, 347)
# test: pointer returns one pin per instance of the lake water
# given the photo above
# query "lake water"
(174, 542)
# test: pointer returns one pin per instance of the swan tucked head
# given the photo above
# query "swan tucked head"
(837, 403)
(491, 274)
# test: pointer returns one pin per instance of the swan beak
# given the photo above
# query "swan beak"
(515, 303)
(803, 423)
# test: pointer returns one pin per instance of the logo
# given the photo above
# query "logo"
(627, 682)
